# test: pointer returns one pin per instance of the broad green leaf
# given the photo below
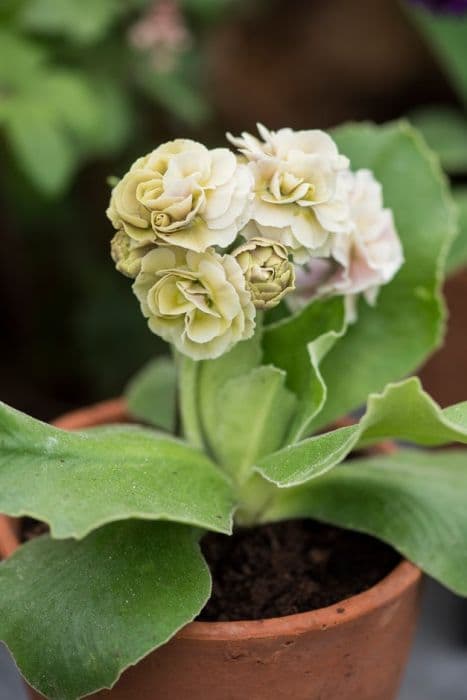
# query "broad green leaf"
(458, 253)
(447, 35)
(77, 482)
(297, 345)
(255, 411)
(403, 411)
(76, 614)
(414, 500)
(152, 394)
(445, 130)
(372, 353)
(214, 375)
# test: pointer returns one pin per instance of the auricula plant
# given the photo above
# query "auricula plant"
(296, 280)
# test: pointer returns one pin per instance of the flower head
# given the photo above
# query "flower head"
(183, 194)
(366, 259)
(300, 194)
(197, 301)
(268, 272)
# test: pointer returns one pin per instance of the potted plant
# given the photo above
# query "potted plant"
(290, 296)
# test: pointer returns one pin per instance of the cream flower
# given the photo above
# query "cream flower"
(301, 195)
(183, 194)
(197, 301)
(363, 261)
(373, 254)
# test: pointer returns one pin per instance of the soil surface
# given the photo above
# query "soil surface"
(31, 528)
(288, 568)
(283, 568)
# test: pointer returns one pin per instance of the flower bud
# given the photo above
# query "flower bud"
(127, 254)
(268, 271)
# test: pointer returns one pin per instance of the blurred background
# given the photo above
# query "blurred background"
(86, 86)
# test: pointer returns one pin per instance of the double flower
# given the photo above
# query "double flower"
(210, 237)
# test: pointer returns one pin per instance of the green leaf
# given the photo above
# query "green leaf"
(77, 482)
(152, 394)
(37, 139)
(76, 614)
(73, 100)
(214, 374)
(415, 501)
(445, 130)
(403, 411)
(297, 345)
(256, 414)
(458, 253)
(26, 57)
(448, 37)
(371, 353)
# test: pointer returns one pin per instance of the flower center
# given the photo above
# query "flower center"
(161, 220)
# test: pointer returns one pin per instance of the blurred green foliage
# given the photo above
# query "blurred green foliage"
(86, 86)
(445, 128)
(447, 35)
(74, 75)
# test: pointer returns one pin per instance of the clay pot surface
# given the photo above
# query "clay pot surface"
(354, 650)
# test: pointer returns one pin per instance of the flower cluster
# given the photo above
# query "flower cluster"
(210, 237)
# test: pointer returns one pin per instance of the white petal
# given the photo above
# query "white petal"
(223, 166)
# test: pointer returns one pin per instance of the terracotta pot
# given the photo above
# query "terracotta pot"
(355, 650)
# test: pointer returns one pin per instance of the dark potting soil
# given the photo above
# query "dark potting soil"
(281, 569)
(31, 528)
(290, 567)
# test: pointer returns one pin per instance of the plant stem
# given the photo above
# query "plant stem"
(188, 393)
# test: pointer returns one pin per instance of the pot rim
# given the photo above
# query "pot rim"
(404, 576)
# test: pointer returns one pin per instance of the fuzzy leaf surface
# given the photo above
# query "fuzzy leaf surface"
(403, 411)
(297, 345)
(77, 614)
(258, 409)
(79, 481)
